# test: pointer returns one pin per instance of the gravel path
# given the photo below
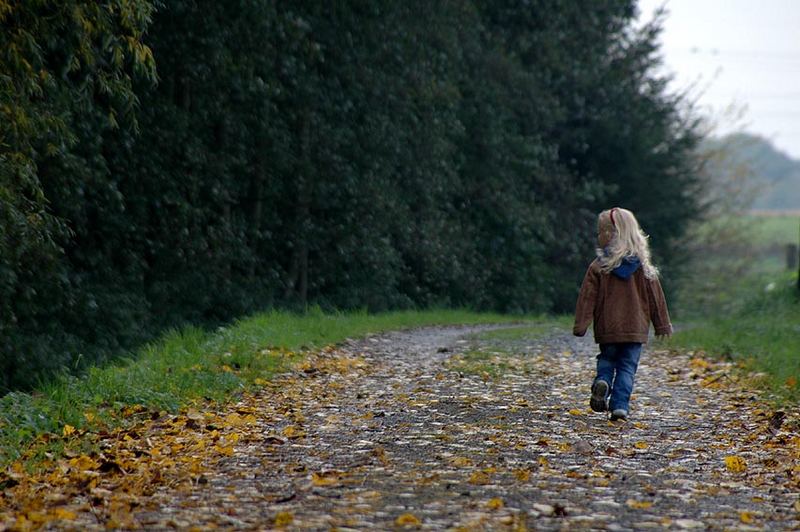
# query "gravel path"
(393, 431)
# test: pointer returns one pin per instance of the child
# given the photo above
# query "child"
(622, 295)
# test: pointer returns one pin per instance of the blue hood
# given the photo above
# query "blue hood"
(627, 267)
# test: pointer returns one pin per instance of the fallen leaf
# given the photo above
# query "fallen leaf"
(495, 504)
(735, 464)
(69, 430)
(283, 518)
(461, 461)
(326, 478)
(576, 412)
(407, 520)
(641, 445)
(63, 513)
(523, 475)
(746, 517)
(638, 505)
(479, 478)
(293, 432)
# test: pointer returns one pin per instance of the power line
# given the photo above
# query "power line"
(749, 54)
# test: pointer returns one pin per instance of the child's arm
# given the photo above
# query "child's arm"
(584, 309)
(659, 314)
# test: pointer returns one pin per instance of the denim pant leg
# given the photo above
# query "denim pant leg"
(626, 363)
(606, 363)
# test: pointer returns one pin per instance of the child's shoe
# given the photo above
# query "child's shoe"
(619, 414)
(599, 394)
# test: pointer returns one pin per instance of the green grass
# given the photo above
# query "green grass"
(764, 334)
(497, 352)
(187, 366)
(773, 230)
(543, 326)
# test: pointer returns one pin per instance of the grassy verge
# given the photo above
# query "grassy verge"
(183, 367)
(763, 334)
(495, 353)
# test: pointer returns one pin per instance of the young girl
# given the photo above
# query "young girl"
(622, 295)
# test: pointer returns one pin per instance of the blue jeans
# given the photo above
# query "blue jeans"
(617, 364)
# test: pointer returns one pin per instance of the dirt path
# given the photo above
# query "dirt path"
(403, 430)
(387, 431)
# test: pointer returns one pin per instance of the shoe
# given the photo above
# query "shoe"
(599, 394)
(619, 413)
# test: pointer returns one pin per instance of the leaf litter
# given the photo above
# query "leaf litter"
(397, 431)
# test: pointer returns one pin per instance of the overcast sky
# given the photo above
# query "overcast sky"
(742, 55)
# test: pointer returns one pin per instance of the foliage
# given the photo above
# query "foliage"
(61, 62)
(350, 155)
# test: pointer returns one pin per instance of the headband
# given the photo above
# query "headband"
(612, 216)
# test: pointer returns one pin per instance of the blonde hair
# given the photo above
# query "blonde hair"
(627, 240)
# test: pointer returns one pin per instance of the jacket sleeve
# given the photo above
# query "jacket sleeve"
(584, 309)
(659, 314)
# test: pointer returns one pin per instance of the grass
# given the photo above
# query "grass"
(773, 230)
(764, 334)
(184, 367)
(497, 352)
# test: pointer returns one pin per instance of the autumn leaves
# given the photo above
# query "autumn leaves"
(390, 432)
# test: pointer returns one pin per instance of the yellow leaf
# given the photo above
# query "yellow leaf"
(83, 463)
(261, 382)
(407, 520)
(523, 475)
(638, 505)
(479, 478)
(89, 416)
(283, 518)
(461, 461)
(63, 513)
(69, 430)
(327, 478)
(735, 464)
(576, 412)
(543, 461)
(746, 517)
(495, 504)
(227, 450)
(227, 369)
(293, 432)
(641, 445)
(797, 506)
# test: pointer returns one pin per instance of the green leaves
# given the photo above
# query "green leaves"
(351, 156)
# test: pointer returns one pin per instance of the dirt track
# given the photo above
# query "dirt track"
(390, 431)
(439, 428)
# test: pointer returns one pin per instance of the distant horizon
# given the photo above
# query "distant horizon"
(775, 147)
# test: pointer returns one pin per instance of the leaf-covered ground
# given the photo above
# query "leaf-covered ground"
(436, 428)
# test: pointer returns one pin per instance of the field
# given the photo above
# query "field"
(741, 302)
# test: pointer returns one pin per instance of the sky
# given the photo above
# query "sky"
(741, 59)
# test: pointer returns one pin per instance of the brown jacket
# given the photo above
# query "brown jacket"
(621, 309)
